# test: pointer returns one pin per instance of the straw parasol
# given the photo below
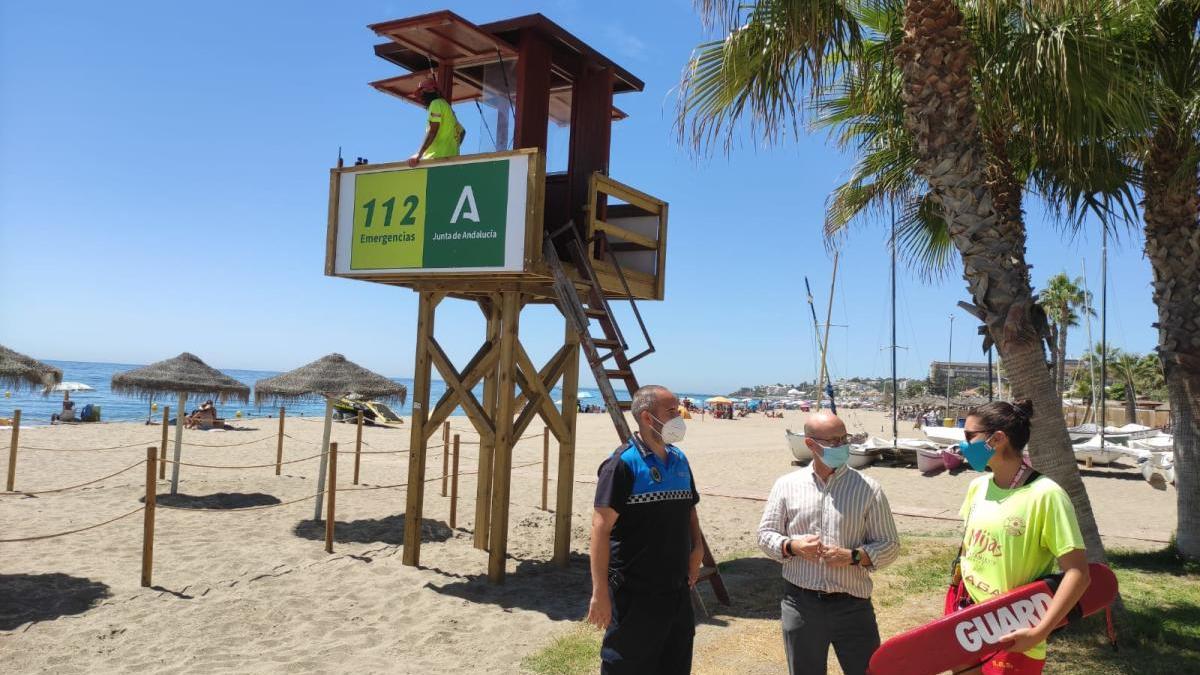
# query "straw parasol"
(183, 375)
(329, 377)
(18, 371)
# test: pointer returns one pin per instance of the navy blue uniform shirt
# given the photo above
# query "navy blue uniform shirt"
(652, 538)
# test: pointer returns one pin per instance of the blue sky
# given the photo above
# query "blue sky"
(164, 179)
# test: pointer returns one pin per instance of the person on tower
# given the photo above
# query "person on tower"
(443, 134)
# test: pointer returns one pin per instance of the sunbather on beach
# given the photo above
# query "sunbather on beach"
(206, 413)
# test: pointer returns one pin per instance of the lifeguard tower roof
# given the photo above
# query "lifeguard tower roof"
(421, 44)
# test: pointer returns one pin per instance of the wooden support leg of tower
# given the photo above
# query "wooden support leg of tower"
(483, 489)
(417, 445)
(510, 313)
(563, 503)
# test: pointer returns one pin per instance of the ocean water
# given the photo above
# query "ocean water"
(36, 409)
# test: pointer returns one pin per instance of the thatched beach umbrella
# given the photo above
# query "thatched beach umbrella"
(183, 375)
(18, 371)
(329, 377)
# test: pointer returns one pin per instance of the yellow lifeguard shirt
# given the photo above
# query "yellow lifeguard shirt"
(445, 143)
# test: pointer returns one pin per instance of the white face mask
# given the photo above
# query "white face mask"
(673, 430)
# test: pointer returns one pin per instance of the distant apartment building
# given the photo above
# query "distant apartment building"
(965, 375)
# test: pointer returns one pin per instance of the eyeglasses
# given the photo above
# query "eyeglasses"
(972, 434)
(832, 442)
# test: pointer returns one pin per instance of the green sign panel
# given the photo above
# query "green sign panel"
(448, 216)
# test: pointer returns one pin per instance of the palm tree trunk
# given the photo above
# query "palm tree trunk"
(1130, 402)
(941, 116)
(1060, 377)
(1055, 354)
(1172, 214)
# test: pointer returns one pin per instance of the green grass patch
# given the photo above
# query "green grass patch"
(1158, 631)
(576, 652)
(923, 567)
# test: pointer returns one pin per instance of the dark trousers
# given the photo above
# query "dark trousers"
(650, 633)
(812, 622)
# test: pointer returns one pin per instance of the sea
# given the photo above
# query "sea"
(37, 409)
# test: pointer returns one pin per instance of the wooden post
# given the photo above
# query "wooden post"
(148, 517)
(483, 487)
(162, 449)
(563, 505)
(545, 463)
(330, 495)
(454, 487)
(279, 443)
(358, 446)
(420, 414)
(502, 462)
(445, 455)
(12, 450)
(178, 442)
(324, 467)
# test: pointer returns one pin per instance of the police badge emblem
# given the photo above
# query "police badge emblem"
(654, 474)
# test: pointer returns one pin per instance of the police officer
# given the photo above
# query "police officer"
(646, 545)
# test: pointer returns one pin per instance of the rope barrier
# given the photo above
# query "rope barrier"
(82, 529)
(240, 466)
(230, 445)
(72, 487)
(114, 447)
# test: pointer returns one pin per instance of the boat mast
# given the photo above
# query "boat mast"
(1103, 330)
(949, 364)
(1087, 315)
(816, 330)
(895, 390)
(828, 326)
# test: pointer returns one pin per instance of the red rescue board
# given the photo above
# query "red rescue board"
(970, 636)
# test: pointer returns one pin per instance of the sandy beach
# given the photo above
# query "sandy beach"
(254, 591)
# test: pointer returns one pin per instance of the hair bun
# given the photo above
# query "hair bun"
(1024, 408)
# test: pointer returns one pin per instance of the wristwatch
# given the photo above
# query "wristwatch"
(854, 556)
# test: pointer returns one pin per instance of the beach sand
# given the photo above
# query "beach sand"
(254, 591)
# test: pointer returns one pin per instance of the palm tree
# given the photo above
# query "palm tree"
(776, 55)
(1171, 209)
(1060, 300)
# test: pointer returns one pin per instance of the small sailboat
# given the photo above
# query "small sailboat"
(945, 435)
(930, 461)
(799, 450)
(1103, 452)
(1159, 470)
(952, 459)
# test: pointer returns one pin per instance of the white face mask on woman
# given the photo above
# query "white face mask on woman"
(673, 430)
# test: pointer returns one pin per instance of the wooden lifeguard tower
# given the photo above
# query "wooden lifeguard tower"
(498, 230)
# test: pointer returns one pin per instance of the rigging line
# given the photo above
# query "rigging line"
(507, 89)
(483, 118)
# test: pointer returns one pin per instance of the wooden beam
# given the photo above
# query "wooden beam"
(335, 184)
(563, 503)
(629, 195)
(510, 312)
(549, 373)
(533, 91)
(479, 365)
(417, 439)
(628, 235)
(483, 489)
(541, 386)
(481, 420)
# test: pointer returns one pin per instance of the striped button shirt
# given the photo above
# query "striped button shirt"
(850, 511)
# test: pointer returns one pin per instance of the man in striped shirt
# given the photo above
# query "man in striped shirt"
(831, 527)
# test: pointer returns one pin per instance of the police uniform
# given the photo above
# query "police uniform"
(652, 622)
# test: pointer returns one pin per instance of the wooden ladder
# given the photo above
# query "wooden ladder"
(581, 312)
(597, 309)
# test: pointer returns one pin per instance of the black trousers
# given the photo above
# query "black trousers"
(812, 622)
(650, 634)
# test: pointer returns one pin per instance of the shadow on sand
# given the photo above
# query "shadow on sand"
(562, 593)
(44, 597)
(388, 530)
(222, 501)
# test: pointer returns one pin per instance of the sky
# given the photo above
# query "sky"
(164, 186)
